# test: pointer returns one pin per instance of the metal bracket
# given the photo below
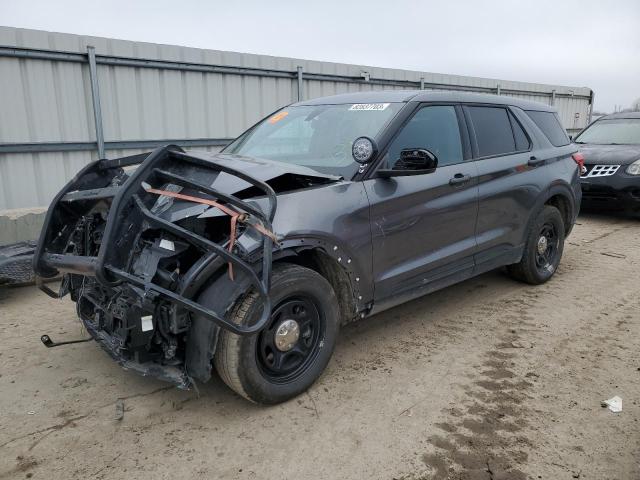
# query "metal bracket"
(47, 342)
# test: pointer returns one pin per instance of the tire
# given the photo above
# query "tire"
(535, 267)
(254, 366)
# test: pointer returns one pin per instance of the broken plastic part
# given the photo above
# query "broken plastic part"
(614, 404)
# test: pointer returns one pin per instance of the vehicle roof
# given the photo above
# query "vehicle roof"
(620, 115)
(398, 96)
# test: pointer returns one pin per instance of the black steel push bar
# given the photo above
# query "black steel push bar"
(129, 200)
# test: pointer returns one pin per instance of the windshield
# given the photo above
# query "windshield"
(317, 136)
(611, 132)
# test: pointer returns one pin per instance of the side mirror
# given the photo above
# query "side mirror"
(413, 161)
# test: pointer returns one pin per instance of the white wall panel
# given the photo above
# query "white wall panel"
(50, 101)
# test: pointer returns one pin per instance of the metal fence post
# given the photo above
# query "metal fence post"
(593, 96)
(300, 93)
(95, 95)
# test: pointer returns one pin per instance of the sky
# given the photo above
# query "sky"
(563, 42)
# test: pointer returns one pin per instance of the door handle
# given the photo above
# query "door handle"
(534, 161)
(459, 179)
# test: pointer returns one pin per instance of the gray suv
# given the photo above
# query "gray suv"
(326, 211)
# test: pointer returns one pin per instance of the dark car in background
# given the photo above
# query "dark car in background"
(326, 211)
(611, 150)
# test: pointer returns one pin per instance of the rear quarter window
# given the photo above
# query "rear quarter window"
(550, 125)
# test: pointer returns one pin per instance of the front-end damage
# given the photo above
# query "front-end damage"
(138, 247)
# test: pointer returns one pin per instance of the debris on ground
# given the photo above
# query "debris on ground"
(613, 254)
(614, 404)
(520, 344)
(119, 409)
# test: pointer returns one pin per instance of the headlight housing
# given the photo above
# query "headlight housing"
(634, 168)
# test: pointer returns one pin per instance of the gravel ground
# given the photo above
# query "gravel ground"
(489, 379)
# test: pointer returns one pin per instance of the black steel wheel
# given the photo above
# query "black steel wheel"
(290, 343)
(285, 358)
(543, 248)
(546, 248)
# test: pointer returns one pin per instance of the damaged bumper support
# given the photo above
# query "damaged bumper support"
(134, 270)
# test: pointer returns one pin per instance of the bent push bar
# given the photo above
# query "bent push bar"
(111, 269)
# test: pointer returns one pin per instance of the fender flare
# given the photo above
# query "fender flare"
(562, 189)
(359, 275)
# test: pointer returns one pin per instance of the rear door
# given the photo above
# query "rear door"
(508, 183)
(423, 225)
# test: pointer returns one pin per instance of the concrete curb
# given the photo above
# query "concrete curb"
(21, 225)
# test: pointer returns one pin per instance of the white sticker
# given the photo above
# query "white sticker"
(167, 245)
(369, 106)
(146, 323)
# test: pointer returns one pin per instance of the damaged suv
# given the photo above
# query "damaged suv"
(327, 211)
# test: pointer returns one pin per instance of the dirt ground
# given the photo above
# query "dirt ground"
(489, 379)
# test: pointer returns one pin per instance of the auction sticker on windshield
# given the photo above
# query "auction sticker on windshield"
(369, 106)
(277, 117)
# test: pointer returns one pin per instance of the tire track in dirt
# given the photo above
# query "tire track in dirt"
(487, 436)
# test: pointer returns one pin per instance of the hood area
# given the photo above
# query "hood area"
(609, 154)
(282, 177)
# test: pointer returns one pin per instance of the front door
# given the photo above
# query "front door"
(423, 226)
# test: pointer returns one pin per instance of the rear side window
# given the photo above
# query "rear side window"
(493, 132)
(550, 125)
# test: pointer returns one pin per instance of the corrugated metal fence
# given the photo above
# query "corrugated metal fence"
(65, 99)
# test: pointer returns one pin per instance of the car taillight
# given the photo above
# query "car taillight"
(579, 159)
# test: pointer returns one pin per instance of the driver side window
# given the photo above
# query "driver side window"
(434, 128)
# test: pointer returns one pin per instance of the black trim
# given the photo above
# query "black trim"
(465, 136)
(512, 118)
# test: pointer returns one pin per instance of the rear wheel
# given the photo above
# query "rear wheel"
(543, 248)
(285, 358)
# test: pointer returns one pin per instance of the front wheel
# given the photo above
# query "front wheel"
(543, 248)
(292, 351)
